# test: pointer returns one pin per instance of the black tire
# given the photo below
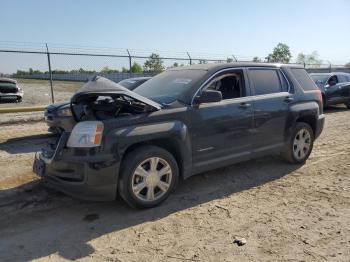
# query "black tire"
(324, 102)
(290, 155)
(347, 105)
(19, 99)
(131, 161)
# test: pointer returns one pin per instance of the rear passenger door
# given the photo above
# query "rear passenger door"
(270, 104)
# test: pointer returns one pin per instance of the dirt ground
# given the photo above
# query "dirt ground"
(37, 93)
(285, 212)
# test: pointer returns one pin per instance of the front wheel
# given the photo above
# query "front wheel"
(300, 144)
(148, 176)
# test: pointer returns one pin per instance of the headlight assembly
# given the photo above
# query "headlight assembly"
(86, 134)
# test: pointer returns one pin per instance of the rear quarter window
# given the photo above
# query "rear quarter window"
(304, 79)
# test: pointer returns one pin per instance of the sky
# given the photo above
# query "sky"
(244, 28)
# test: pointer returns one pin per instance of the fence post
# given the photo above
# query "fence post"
(304, 65)
(130, 66)
(189, 58)
(330, 68)
(50, 72)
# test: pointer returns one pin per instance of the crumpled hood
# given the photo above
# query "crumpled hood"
(104, 86)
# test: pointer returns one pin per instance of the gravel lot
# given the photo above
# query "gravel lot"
(285, 212)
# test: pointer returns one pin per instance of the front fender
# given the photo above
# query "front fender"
(173, 133)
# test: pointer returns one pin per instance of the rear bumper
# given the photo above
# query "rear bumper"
(319, 125)
(85, 177)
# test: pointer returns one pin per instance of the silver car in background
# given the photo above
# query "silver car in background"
(10, 91)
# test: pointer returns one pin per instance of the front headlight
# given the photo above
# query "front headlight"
(86, 134)
(64, 112)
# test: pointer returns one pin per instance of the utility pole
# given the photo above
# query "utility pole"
(130, 66)
(50, 73)
(189, 58)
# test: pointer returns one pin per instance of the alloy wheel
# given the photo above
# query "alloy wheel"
(301, 144)
(151, 179)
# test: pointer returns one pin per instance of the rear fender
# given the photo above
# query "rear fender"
(309, 111)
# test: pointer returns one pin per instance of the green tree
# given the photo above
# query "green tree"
(202, 61)
(105, 70)
(309, 59)
(136, 68)
(175, 64)
(280, 54)
(256, 59)
(125, 70)
(229, 60)
(154, 64)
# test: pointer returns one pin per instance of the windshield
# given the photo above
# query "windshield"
(320, 79)
(169, 86)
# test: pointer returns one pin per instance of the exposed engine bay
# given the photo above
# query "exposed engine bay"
(100, 107)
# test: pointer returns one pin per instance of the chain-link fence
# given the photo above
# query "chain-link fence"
(50, 73)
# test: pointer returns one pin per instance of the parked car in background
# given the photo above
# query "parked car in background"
(132, 83)
(182, 122)
(335, 87)
(10, 91)
(59, 116)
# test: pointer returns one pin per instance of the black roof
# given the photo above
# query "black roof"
(216, 67)
(329, 74)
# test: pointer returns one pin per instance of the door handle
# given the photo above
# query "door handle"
(288, 99)
(244, 105)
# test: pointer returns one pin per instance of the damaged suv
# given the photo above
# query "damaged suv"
(182, 122)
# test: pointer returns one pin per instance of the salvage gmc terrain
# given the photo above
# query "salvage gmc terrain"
(182, 122)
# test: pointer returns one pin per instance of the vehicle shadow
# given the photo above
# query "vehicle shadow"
(335, 109)
(57, 224)
(26, 144)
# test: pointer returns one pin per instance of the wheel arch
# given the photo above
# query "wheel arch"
(171, 136)
(167, 144)
(306, 113)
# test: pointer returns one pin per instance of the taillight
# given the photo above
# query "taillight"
(319, 94)
(320, 100)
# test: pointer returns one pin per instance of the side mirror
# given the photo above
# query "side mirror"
(209, 96)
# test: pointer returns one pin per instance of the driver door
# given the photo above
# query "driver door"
(333, 90)
(222, 131)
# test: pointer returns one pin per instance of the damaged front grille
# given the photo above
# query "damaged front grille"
(54, 146)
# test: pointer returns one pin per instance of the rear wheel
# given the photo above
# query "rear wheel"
(300, 144)
(348, 105)
(148, 176)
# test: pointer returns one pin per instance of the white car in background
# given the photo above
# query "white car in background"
(10, 91)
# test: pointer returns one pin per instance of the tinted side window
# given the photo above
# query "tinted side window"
(265, 81)
(304, 79)
(342, 79)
